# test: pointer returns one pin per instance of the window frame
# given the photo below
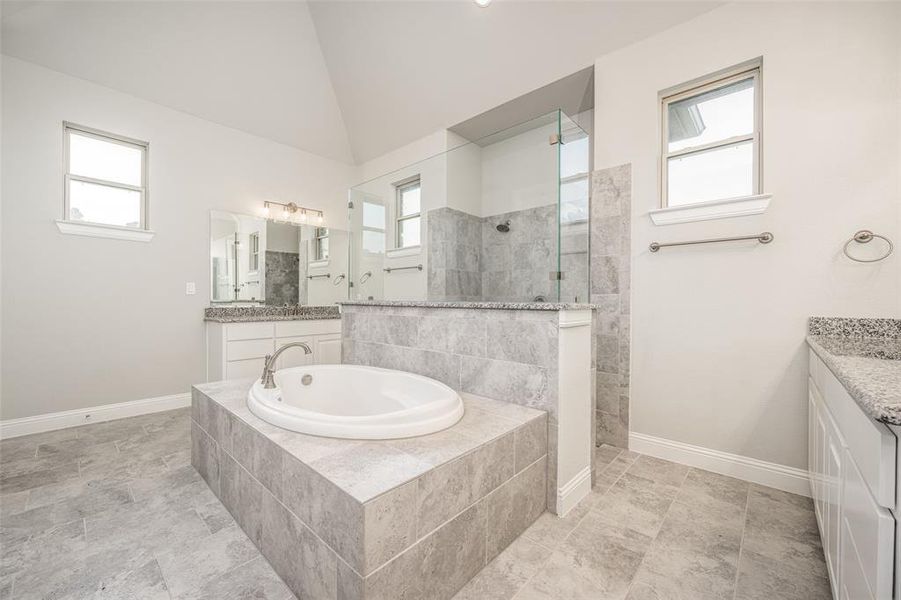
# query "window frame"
(253, 255)
(399, 217)
(749, 70)
(113, 138)
(317, 243)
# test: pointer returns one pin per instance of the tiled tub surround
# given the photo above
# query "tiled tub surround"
(347, 519)
(610, 232)
(249, 314)
(531, 355)
(865, 356)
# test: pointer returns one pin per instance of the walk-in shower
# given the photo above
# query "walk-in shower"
(500, 218)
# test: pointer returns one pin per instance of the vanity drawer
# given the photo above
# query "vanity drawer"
(249, 331)
(245, 349)
(298, 328)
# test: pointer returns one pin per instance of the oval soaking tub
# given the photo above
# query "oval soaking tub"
(351, 401)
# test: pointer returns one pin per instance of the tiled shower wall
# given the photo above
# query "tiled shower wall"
(469, 259)
(611, 206)
(454, 246)
(282, 277)
(508, 355)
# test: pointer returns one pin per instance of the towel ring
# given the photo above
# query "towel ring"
(865, 236)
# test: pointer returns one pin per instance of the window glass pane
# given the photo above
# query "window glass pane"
(712, 116)
(712, 175)
(104, 204)
(373, 215)
(373, 242)
(98, 159)
(408, 232)
(574, 156)
(409, 200)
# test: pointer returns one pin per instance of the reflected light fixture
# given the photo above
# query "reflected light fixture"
(292, 213)
(483, 3)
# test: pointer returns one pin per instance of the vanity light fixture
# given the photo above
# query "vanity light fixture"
(291, 213)
(483, 3)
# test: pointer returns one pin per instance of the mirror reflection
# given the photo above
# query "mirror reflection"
(263, 261)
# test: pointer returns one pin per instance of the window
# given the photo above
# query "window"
(373, 234)
(408, 215)
(711, 138)
(254, 243)
(105, 180)
(321, 244)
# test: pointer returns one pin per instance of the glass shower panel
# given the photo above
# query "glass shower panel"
(487, 214)
(573, 211)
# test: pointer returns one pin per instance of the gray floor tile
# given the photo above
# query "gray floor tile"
(507, 573)
(114, 510)
(762, 578)
(192, 566)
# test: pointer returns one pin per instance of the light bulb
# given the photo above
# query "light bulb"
(286, 216)
(483, 3)
(265, 210)
(303, 216)
(319, 219)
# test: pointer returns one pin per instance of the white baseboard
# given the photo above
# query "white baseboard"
(11, 428)
(781, 477)
(573, 491)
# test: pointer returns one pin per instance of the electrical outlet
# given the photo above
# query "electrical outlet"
(190, 288)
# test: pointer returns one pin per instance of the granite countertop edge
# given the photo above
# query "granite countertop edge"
(875, 384)
(545, 306)
(260, 318)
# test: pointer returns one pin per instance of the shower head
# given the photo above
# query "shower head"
(503, 227)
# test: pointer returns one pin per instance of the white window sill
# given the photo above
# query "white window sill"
(104, 231)
(714, 209)
(317, 264)
(401, 252)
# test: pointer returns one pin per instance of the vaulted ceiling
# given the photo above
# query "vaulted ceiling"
(342, 79)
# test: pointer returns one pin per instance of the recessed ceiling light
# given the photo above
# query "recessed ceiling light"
(483, 3)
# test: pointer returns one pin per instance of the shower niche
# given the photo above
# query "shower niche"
(503, 218)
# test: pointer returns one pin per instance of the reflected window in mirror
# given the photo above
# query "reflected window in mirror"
(254, 259)
(408, 213)
(320, 246)
(373, 234)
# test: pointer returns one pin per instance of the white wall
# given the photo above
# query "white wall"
(718, 352)
(90, 321)
(519, 172)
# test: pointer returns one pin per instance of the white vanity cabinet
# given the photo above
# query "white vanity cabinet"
(236, 350)
(853, 476)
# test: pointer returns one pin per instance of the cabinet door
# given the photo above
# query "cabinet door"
(832, 480)
(239, 369)
(867, 545)
(812, 442)
(328, 350)
(296, 357)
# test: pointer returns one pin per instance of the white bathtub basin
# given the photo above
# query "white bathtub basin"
(350, 401)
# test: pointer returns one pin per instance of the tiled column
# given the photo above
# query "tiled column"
(611, 208)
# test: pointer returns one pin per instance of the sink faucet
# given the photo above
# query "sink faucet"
(268, 378)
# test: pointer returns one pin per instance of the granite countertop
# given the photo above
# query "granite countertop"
(549, 306)
(865, 356)
(249, 314)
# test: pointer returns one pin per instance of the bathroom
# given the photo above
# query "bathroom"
(321, 311)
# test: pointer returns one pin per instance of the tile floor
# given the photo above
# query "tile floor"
(115, 510)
